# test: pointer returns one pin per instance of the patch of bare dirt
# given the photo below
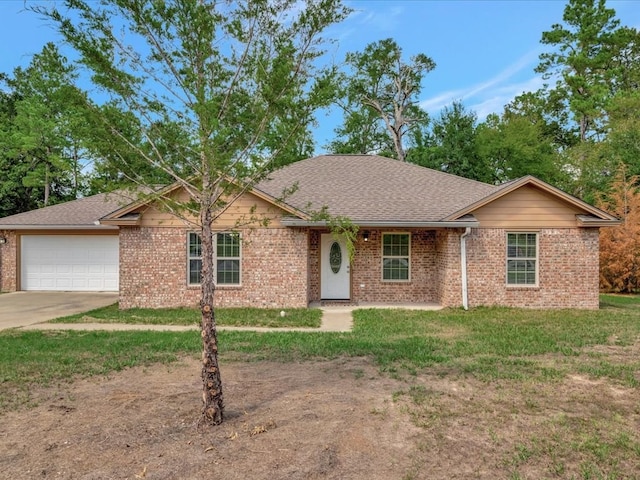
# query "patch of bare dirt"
(331, 420)
(337, 419)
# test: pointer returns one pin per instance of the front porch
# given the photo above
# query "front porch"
(411, 268)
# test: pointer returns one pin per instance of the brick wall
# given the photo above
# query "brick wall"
(448, 266)
(314, 265)
(8, 261)
(366, 272)
(153, 269)
(568, 270)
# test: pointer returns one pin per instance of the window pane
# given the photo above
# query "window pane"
(396, 245)
(521, 272)
(195, 245)
(228, 245)
(195, 269)
(228, 271)
(395, 269)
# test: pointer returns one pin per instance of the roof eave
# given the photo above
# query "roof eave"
(298, 222)
(589, 221)
(119, 222)
(58, 227)
(129, 220)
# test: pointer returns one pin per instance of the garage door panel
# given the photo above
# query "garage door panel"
(70, 262)
(45, 283)
(64, 269)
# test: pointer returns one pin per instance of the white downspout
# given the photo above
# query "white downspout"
(463, 267)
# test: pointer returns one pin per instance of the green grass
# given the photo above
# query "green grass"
(516, 355)
(486, 343)
(489, 343)
(32, 358)
(619, 301)
(255, 317)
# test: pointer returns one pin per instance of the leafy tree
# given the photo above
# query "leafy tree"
(547, 110)
(621, 147)
(620, 245)
(622, 144)
(40, 139)
(513, 146)
(454, 147)
(593, 60)
(124, 167)
(380, 99)
(15, 197)
(218, 88)
(588, 60)
(524, 140)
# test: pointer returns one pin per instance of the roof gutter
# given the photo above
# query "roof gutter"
(297, 222)
(463, 268)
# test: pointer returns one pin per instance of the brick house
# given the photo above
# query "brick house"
(424, 237)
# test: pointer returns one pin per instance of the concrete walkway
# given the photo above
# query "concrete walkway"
(334, 319)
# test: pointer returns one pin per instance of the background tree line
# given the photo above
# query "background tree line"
(577, 132)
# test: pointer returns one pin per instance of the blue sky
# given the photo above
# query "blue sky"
(485, 50)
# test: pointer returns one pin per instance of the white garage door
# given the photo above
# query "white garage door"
(69, 262)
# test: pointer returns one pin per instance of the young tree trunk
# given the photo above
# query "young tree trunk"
(213, 406)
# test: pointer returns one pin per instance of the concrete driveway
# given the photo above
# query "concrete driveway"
(26, 308)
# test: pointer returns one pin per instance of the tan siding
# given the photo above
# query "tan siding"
(527, 207)
(248, 208)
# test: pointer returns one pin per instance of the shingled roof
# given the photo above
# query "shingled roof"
(82, 213)
(371, 188)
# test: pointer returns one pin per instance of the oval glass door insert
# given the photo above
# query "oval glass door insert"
(335, 257)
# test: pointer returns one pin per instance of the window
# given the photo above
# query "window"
(195, 259)
(522, 258)
(395, 256)
(226, 259)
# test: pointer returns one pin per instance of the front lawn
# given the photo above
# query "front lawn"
(486, 343)
(529, 393)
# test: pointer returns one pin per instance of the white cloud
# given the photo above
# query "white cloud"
(503, 95)
(384, 20)
(443, 99)
(491, 95)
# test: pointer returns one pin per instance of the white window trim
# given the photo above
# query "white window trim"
(383, 256)
(536, 259)
(215, 262)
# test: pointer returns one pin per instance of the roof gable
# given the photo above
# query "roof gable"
(584, 213)
(132, 213)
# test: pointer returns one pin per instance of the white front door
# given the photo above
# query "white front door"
(335, 277)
